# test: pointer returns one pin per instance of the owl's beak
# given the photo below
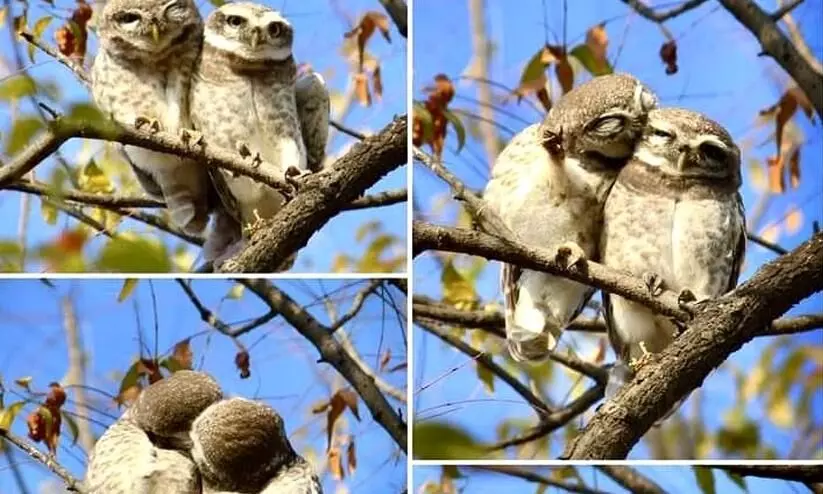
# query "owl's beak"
(155, 32)
(255, 38)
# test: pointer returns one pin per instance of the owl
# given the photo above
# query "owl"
(243, 98)
(240, 445)
(146, 450)
(141, 76)
(675, 218)
(549, 185)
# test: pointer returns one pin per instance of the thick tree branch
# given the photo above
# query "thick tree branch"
(631, 479)
(72, 484)
(720, 327)
(89, 198)
(779, 47)
(379, 199)
(797, 473)
(334, 354)
(426, 237)
(321, 196)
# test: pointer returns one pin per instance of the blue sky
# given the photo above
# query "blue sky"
(284, 368)
(320, 27)
(720, 75)
(673, 479)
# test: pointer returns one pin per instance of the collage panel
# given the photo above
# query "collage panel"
(613, 479)
(154, 136)
(188, 386)
(616, 234)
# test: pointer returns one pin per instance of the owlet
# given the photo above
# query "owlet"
(146, 450)
(243, 98)
(240, 445)
(675, 218)
(548, 185)
(141, 76)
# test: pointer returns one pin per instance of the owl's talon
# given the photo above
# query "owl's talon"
(569, 254)
(654, 282)
(637, 363)
(685, 301)
(243, 149)
(153, 123)
(191, 138)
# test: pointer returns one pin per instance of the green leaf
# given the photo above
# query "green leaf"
(457, 290)
(217, 3)
(128, 287)
(737, 479)
(38, 30)
(458, 127)
(172, 365)
(422, 115)
(17, 87)
(93, 179)
(8, 414)
(22, 132)
(75, 431)
(136, 255)
(705, 479)
(441, 441)
(131, 378)
(486, 376)
(534, 67)
(584, 55)
(236, 292)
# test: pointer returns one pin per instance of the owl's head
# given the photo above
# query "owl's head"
(240, 444)
(250, 32)
(601, 119)
(148, 28)
(166, 409)
(685, 143)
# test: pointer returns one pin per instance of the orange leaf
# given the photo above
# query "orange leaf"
(775, 166)
(350, 398)
(351, 457)
(794, 168)
(335, 464)
(56, 396)
(598, 41)
(361, 89)
(182, 354)
(364, 30)
(794, 220)
(129, 395)
(668, 53)
(71, 241)
(242, 360)
(565, 74)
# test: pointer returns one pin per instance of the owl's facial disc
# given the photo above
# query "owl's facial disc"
(250, 32)
(705, 156)
(154, 28)
(611, 136)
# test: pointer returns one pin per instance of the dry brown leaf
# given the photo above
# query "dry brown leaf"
(794, 220)
(243, 361)
(385, 359)
(350, 398)
(361, 89)
(598, 41)
(182, 354)
(351, 456)
(565, 75)
(439, 97)
(335, 464)
(44, 422)
(129, 395)
(151, 369)
(668, 53)
(377, 83)
(775, 167)
(72, 37)
(369, 23)
(794, 168)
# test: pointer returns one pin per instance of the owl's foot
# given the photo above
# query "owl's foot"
(569, 254)
(246, 153)
(654, 282)
(250, 228)
(638, 363)
(685, 299)
(294, 174)
(192, 138)
(153, 124)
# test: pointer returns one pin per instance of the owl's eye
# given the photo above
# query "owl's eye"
(275, 29)
(235, 21)
(609, 125)
(712, 151)
(126, 17)
(663, 134)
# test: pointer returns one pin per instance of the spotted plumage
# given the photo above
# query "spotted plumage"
(141, 76)
(549, 185)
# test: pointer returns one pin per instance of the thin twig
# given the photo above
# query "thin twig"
(49, 461)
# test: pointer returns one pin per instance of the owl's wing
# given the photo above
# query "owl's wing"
(313, 107)
(739, 253)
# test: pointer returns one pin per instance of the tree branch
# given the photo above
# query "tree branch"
(797, 473)
(72, 484)
(380, 199)
(531, 476)
(631, 479)
(720, 327)
(779, 47)
(649, 13)
(334, 354)
(322, 195)
(398, 11)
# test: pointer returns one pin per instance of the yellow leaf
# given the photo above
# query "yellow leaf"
(457, 290)
(48, 212)
(24, 382)
(236, 292)
(486, 376)
(754, 382)
(793, 220)
(38, 29)
(94, 179)
(780, 412)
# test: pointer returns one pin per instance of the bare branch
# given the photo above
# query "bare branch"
(76, 373)
(531, 476)
(797, 473)
(72, 484)
(649, 13)
(398, 11)
(631, 479)
(334, 354)
(108, 201)
(79, 72)
(777, 45)
(387, 198)
(356, 304)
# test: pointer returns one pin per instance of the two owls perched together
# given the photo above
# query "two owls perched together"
(182, 437)
(232, 79)
(652, 192)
